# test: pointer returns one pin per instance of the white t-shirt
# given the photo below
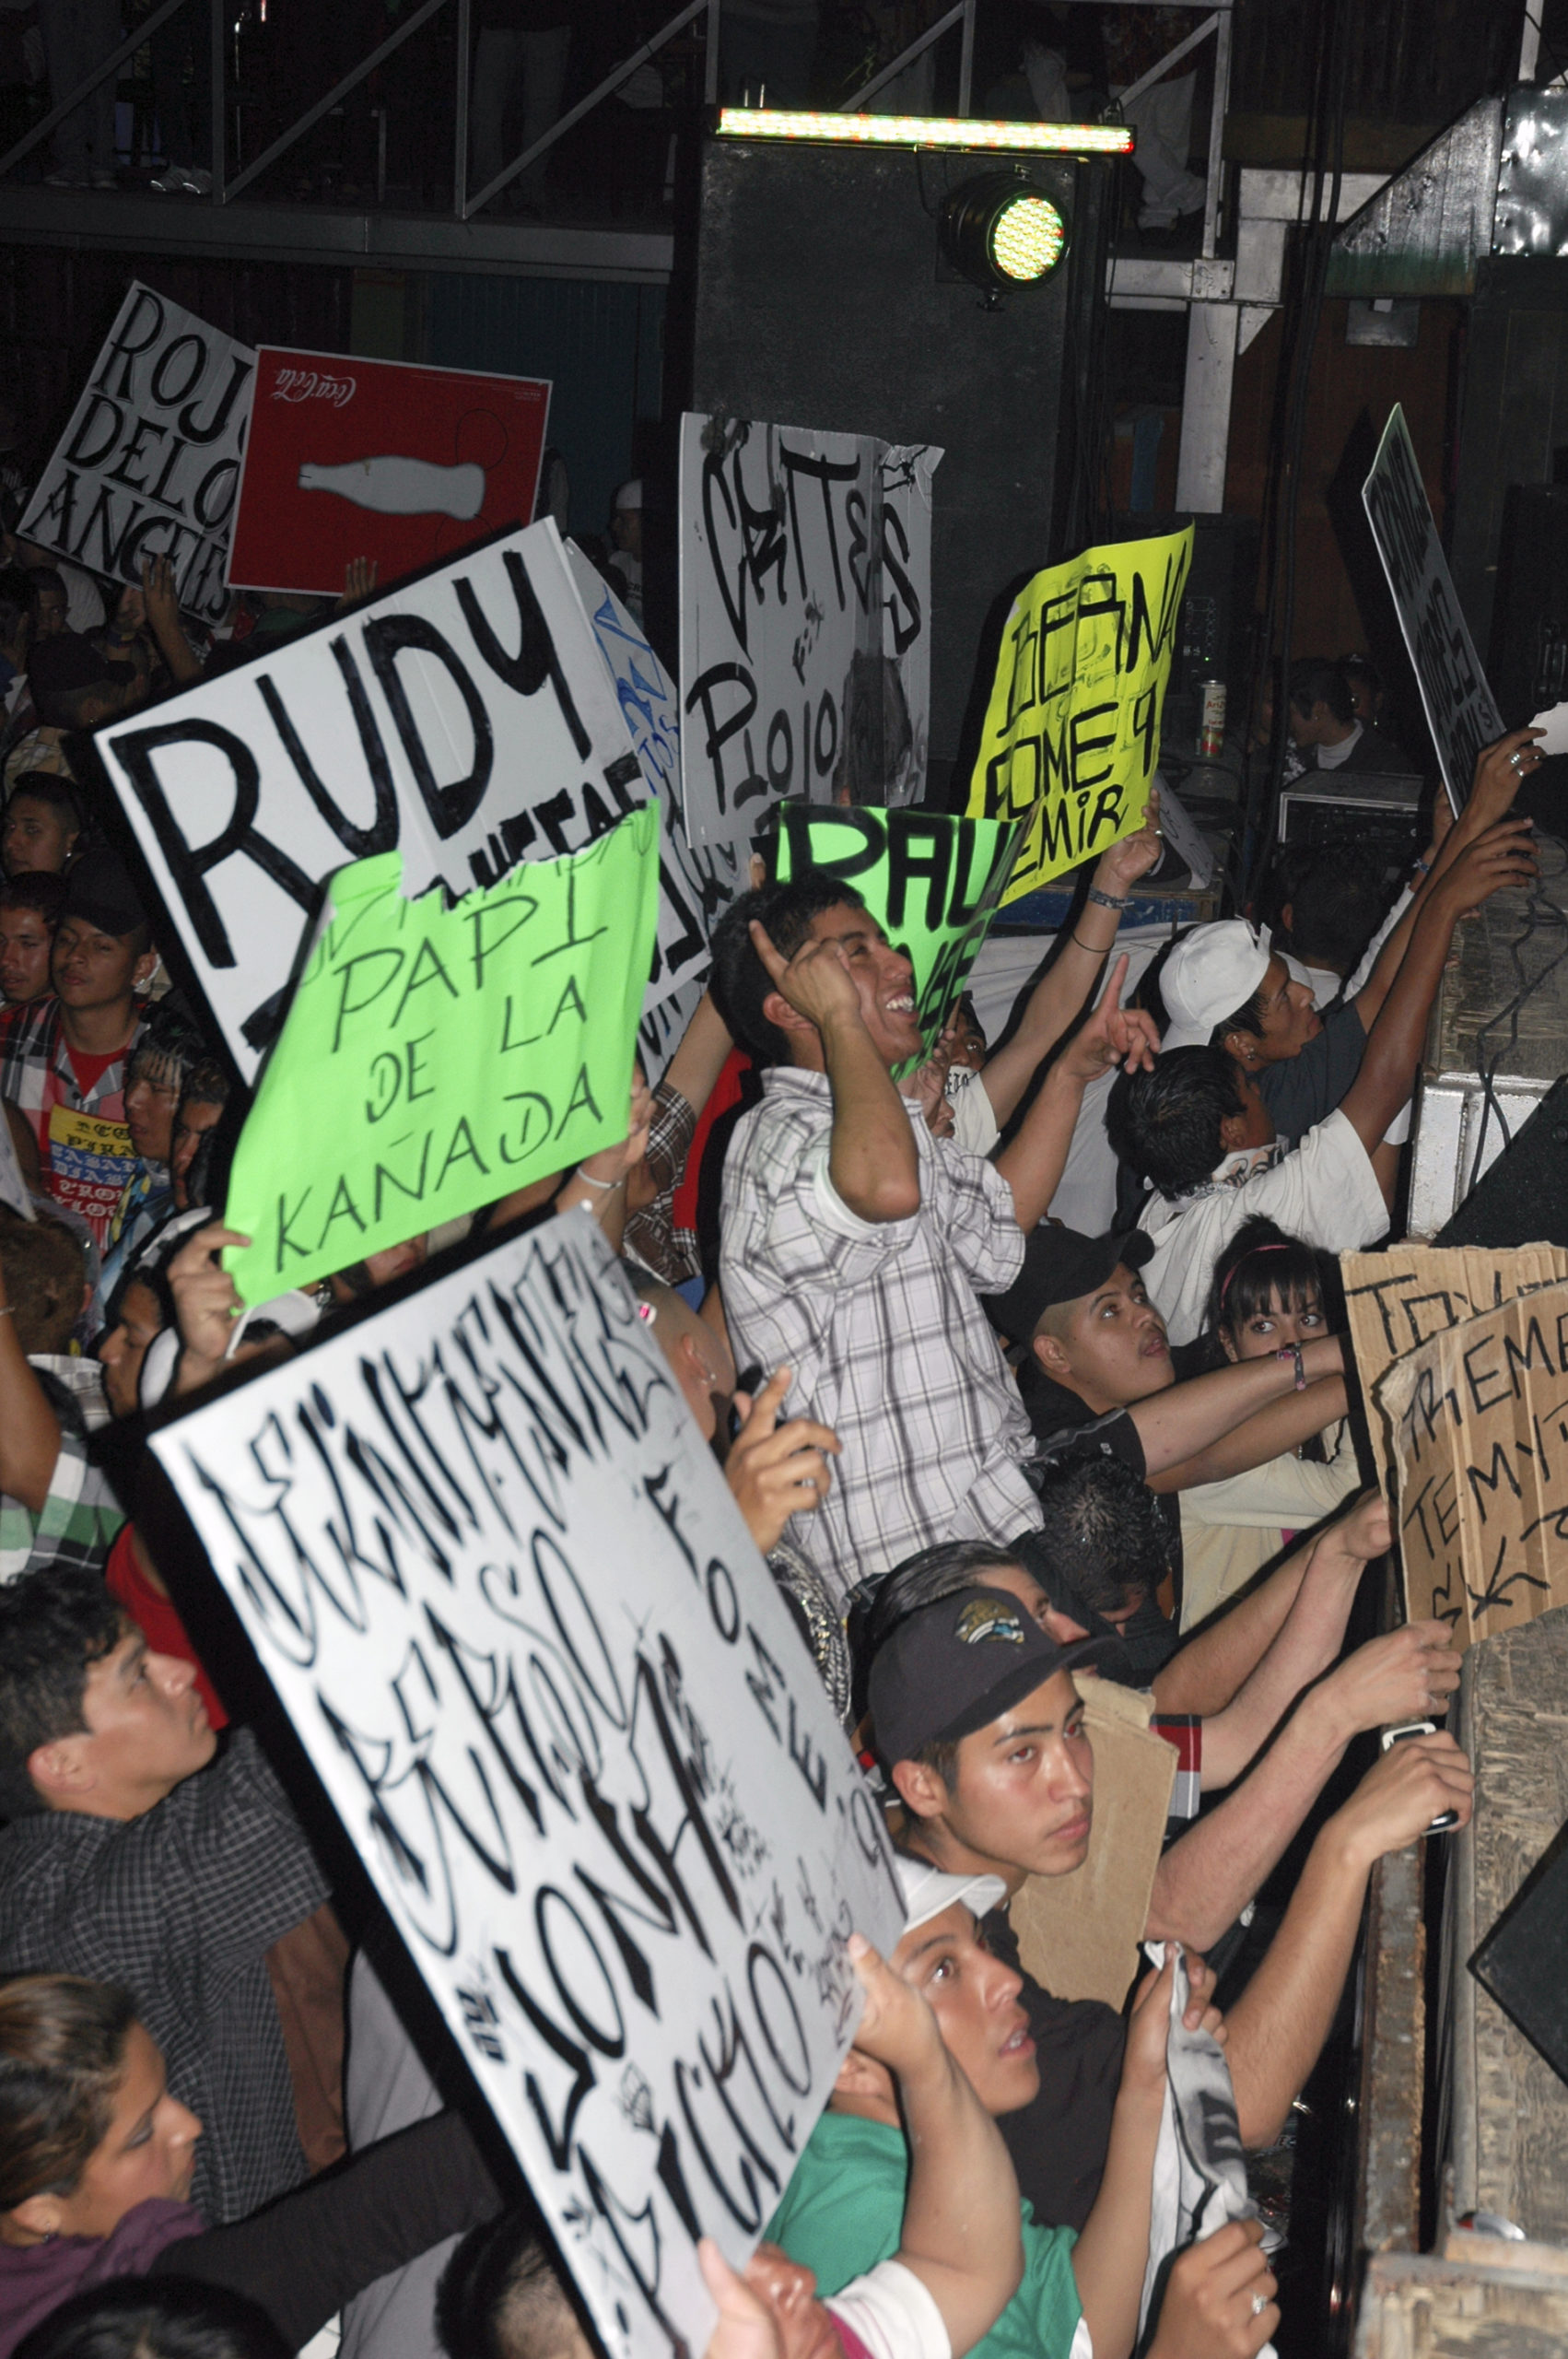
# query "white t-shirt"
(896, 2318)
(1325, 1192)
(975, 1125)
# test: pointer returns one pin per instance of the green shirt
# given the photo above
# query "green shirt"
(842, 2212)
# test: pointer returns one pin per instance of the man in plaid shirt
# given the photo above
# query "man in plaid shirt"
(63, 1059)
(55, 1508)
(855, 1243)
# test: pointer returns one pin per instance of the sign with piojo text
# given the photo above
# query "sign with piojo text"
(1071, 730)
(690, 895)
(435, 1059)
(933, 882)
(805, 625)
(510, 1607)
(384, 459)
(1478, 1421)
(1461, 711)
(464, 720)
(149, 465)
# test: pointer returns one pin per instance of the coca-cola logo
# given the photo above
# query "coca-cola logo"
(313, 386)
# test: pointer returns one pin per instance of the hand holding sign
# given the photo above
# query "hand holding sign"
(206, 1305)
(1121, 867)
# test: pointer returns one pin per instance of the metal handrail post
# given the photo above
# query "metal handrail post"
(464, 69)
(612, 82)
(219, 158)
(710, 57)
(967, 60)
(69, 104)
(906, 57)
(1217, 136)
(350, 81)
(1162, 65)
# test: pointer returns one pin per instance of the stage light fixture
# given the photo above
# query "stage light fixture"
(926, 131)
(1003, 230)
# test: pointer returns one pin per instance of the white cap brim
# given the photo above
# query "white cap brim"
(928, 1891)
(1185, 1036)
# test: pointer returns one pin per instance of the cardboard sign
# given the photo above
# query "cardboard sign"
(1402, 1297)
(805, 621)
(690, 894)
(933, 884)
(464, 720)
(149, 465)
(1479, 1423)
(1078, 1935)
(374, 458)
(1461, 709)
(1072, 732)
(434, 1059)
(504, 1593)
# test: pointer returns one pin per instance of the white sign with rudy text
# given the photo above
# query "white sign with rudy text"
(465, 718)
(149, 465)
(805, 625)
(502, 1590)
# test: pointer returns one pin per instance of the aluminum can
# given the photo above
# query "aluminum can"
(1211, 718)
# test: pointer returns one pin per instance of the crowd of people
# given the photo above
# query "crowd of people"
(995, 1465)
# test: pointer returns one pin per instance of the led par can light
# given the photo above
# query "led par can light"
(1004, 230)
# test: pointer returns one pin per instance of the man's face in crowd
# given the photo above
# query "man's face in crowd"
(152, 1100)
(124, 1347)
(48, 610)
(25, 945)
(147, 1730)
(1108, 1346)
(1254, 1126)
(196, 1118)
(974, 1998)
(1289, 1019)
(883, 979)
(1276, 1326)
(36, 835)
(1021, 1799)
(1048, 1617)
(94, 969)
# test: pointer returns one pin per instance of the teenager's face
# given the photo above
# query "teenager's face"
(1110, 1346)
(1024, 1799)
(35, 836)
(196, 1116)
(124, 1347)
(147, 1728)
(152, 1101)
(25, 945)
(1275, 1326)
(49, 611)
(974, 1998)
(883, 979)
(149, 2149)
(1033, 1598)
(91, 968)
(1290, 1020)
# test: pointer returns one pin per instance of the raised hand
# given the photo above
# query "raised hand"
(359, 578)
(1112, 1035)
(1412, 1783)
(1500, 771)
(1219, 2299)
(206, 1305)
(897, 2026)
(161, 598)
(748, 2328)
(816, 981)
(1407, 1675)
(777, 1471)
(1120, 867)
(611, 1164)
(1501, 855)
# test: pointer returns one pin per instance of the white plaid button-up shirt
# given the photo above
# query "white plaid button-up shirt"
(881, 1323)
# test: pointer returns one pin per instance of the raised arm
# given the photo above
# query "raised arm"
(697, 1062)
(162, 602)
(1034, 1162)
(1182, 1426)
(30, 1430)
(873, 1160)
(1284, 1425)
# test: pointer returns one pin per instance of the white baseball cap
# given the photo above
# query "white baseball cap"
(630, 495)
(1207, 975)
(927, 1891)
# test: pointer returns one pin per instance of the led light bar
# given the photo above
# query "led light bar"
(927, 131)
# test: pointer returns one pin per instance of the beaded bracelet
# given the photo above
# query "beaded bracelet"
(1109, 900)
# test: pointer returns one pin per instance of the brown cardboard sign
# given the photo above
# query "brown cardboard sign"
(1401, 1298)
(1479, 1420)
(1078, 1935)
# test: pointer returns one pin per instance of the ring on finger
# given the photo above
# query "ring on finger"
(1260, 2304)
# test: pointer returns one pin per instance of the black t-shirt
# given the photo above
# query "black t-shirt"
(1301, 1091)
(1373, 755)
(1058, 2144)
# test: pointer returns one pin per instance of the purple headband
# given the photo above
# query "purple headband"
(1250, 1256)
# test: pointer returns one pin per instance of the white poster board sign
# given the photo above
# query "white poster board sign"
(466, 717)
(1461, 710)
(805, 624)
(149, 465)
(689, 893)
(520, 1628)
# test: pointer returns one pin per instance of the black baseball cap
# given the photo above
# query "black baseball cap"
(1061, 1264)
(950, 1668)
(98, 888)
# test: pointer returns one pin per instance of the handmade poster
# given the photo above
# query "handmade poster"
(434, 1059)
(689, 892)
(1071, 730)
(379, 458)
(1461, 709)
(13, 1187)
(1406, 1295)
(933, 882)
(510, 1607)
(1479, 1416)
(464, 718)
(149, 465)
(805, 625)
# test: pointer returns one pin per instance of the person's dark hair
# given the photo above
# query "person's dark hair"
(169, 1043)
(36, 888)
(1315, 680)
(1335, 910)
(1101, 1534)
(54, 1625)
(47, 786)
(879, 1605)
(1248, 1017)
(150, 1268)
(40, 578)
(62, 2059)
(741, 983)
(45, 1266)
(1259, 1266)
(1165, 1124)
(162, 2317)
(1361, 667)
(501, 2296)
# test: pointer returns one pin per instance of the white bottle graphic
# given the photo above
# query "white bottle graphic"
(395, 487)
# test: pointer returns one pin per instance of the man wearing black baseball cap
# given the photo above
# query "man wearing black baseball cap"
(62, 1058)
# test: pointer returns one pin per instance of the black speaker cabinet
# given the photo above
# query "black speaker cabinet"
(821, 302)
(1527, 661)
(1522, 1198)
(1523, 1960)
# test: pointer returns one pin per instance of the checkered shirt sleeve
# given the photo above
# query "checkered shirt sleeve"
(80, 1514)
